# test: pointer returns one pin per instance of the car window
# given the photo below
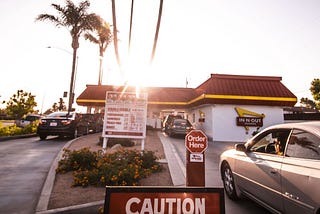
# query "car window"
(303, 145)
(61, 114)
(271, 142)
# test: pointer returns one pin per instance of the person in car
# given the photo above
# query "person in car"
(278, 147)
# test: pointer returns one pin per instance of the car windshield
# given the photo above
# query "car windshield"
(181, 122)
(61, 114)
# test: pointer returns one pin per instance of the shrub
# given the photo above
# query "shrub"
(15, 130)
(122, 168)
(83, 159)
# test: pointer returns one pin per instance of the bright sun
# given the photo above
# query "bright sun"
(136, 72)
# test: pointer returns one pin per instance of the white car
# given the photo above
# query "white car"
(279, 168)
(27, 120)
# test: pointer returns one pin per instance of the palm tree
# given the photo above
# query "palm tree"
(102, 36)
(131, 18)
(77, 20)
(115, 31)
(157, 31)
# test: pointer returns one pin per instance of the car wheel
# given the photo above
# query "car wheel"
(43, 136)
(228, 182)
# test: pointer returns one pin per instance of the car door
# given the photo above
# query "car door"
(259, 172)
(301, 173)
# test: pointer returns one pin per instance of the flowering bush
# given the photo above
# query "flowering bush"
(15, 130)
(80, 160)
(122, 168)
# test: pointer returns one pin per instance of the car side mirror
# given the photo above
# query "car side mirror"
(240, 147)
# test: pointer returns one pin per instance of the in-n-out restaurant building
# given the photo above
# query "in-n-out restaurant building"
(225, 107)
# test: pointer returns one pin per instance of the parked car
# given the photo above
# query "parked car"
(27, 120)
(63, 124)
(168, 119)
(178, 127)
(279, 168)
(95, 122)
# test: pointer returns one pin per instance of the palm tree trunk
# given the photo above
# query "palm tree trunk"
(72, 79)
(115, 35)
(157, 32)
(131, 17)
(100, 68)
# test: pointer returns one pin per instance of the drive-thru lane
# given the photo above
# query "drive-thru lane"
(24, 164)
(175, 154)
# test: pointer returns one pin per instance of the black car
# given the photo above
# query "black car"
(63, 124)
(168, 119)
(178, 127)
(95, 121)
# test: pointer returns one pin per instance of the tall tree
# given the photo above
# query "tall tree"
(315, 89)
(130, 28)
(77, 20)
(101, 36)
(157, 31)
(304, 101)
(115, 31)
(21, 104)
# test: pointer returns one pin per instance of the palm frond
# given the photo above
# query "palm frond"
(48, 17)
(91, 38)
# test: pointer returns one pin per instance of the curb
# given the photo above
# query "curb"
(17, 137)
(87, 208)
(175, 164)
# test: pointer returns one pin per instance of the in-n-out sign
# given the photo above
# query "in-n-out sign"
(196, 141)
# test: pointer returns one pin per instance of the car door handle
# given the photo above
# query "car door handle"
(274, 171)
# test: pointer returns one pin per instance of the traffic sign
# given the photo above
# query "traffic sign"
(196, 141)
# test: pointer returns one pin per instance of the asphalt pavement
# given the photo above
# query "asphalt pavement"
(24, 166)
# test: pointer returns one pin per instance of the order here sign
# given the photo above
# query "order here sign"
(162, 200)
(196, 141)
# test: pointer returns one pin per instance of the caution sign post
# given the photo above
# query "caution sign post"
(196, 143)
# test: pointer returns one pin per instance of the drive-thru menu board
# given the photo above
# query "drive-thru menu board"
(125, 115)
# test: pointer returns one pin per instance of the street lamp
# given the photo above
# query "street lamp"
(73, 79)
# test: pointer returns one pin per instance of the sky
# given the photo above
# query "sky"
(196, 39)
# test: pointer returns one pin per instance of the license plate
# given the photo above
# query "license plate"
(53, 124)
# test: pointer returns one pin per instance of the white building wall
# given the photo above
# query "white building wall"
(220, 121)
(224, 121)
(205, 126)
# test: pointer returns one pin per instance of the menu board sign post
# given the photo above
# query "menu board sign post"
(125, 116)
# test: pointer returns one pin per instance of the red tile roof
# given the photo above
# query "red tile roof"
(218, 89)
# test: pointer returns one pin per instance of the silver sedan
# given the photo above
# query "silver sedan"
(279, 168)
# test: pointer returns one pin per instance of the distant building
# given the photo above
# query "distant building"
(225, 107)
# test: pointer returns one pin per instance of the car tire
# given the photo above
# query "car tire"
(228, 182)
(42, 136)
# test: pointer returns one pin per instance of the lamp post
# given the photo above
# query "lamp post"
(73, 78)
